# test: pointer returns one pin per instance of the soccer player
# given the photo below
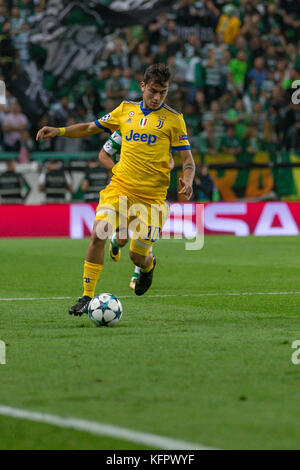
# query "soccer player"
(109, 155)
(150, 129)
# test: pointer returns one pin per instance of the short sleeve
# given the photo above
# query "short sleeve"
(111, 121)
(113, 145)
(179, 137)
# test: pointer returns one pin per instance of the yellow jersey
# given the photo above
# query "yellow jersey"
(148, 137)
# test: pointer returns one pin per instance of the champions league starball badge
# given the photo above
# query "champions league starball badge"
(106, 117)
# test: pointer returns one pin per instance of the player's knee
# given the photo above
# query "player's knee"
(101, 232)
(122, 242)
(122, 237)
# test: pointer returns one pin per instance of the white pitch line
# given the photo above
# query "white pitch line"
(13, 299)
(101, 429)
(203, 294)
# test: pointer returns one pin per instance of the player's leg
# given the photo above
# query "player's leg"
(134, 277)
(93, 266)
(107, 220)
(118, 240)
(141, 248)
(116, 243)
(142, 257)
(136, 274)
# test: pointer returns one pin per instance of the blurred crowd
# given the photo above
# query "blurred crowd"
(233, 65)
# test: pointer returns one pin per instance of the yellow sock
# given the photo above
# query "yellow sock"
(91, 274)
(149, 268)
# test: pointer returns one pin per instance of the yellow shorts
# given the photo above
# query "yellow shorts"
(142, 220)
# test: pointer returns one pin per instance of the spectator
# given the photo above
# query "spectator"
(117, 54)
(255, 47)
(291, 127)
(251, 141)
(258, 116)
(16, 20)
(21, 44)
(271, 58)
(109, 105)
(251, 95)
(200, 102)
(96, 178)
(155, 30)
(238, 117)
(269, 140)
(228, 25)
(178, 68)
(55, 182)
(115, 89)
(12, 185)
(4, 14)
(237, 71)
(267, 86)
(26, 9)
(14, 124)
(213, 80)
(26, 146)
(69, 145)
(215, 117)
(207, 143)
(191, 117)
(141, 57)
(60, 112)
(170, 33)
(162, 53)
(259, 73)
(224, 63)
(230, 143)
(90, 101)
(226, 101)
(7, 51)
(204, 188)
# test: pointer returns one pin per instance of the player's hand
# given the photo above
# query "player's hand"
(186, 189)
(47, 132)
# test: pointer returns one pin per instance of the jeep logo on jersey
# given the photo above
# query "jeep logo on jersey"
(136, 137)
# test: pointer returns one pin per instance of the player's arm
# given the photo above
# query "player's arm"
(106, 160)
(171, 163)
(75, 131)
(110, 150)
(188, 169)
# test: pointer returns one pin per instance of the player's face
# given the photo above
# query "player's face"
(154, 94)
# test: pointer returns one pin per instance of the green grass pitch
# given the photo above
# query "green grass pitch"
(209, 369)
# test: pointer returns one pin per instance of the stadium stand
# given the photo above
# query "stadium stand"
(233, 66)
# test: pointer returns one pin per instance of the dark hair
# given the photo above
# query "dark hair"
(157, 73)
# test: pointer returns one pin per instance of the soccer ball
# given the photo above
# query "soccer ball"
(105, 310)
